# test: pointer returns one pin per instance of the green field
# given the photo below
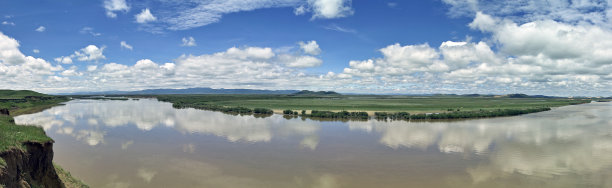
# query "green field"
(370, 104)
(19, 94)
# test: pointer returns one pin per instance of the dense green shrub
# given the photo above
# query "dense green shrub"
(478, 114)
(339, 115)
(232, 110)
(262, 111)
(392, 116)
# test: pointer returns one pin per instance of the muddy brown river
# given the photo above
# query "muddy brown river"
(147, 143)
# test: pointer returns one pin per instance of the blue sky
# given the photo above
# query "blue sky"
(386, 46)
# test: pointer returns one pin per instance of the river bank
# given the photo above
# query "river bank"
(26, 152)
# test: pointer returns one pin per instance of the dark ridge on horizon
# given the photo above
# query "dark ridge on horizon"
(207, 90)
(315, 93)
(202, 90)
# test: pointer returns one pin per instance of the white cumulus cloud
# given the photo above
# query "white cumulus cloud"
(301, 61)
(310, 47)
(145, 16)
(522, 11)
(18, 71)
(300, 10)
(64, 60)
(236, 67)
(71, 72)
(91, 68)
(90, 53)
(112, 6)
(331, 8)
(544, 56)
(41, 29)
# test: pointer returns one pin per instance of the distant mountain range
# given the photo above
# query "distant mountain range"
(204, 90)
(516, 95)
(315, 93)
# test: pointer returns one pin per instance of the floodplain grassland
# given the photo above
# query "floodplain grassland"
(342, 105)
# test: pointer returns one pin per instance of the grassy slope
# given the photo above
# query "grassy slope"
(67, 179)
(370, 103)
(30, 106)
(18, 94)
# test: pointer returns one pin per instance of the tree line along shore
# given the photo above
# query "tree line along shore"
(364, 107)
(365, 115)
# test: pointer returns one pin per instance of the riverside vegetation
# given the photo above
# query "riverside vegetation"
(335, 106)
(19, 145)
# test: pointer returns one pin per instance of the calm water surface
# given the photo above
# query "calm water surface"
(146, 143)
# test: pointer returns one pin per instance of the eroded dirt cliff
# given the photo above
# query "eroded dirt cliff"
(29, 167)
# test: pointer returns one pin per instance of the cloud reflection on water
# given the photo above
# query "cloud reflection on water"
(88, 121)
(569, 140)
(560, 142)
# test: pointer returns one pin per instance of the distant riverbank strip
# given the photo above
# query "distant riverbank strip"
(417, 108)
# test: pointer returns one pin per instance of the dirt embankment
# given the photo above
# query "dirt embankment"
(32, 167)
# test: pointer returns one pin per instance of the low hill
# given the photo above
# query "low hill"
(204, 90)
(315, 93)
(19, 94)
(207, 91)
(520, 95)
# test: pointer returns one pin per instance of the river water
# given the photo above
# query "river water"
(147, 143)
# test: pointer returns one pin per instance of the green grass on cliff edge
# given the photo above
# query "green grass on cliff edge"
(14, 136)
